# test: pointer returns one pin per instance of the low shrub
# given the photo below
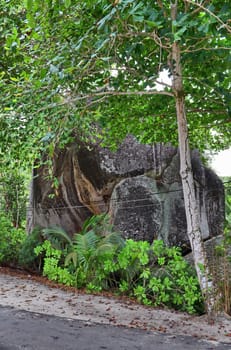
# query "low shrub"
(153, 274)
(27, 257)
(100, 259)
(11, 240)
(158, 275)
(51, 264)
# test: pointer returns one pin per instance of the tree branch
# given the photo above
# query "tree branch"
(105, 94)
(151, 35)
(206, 49)
(210, 111)
(162, 83)
(201, 6)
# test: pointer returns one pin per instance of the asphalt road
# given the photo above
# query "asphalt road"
(33, 331)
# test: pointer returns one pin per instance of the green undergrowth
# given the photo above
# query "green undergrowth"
(99, 259)
(11, 240)
(152, 273)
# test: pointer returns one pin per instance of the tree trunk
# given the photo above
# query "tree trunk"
(191, 207)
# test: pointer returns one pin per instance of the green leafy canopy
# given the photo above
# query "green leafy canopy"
(88, 69)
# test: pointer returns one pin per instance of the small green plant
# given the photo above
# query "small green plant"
(27, 257)
(51, 267)
(158, 275)
(11, 240)
(88, 258)
(87, 252)
(58, 237)
(100, 224)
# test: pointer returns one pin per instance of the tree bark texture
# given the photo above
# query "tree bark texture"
(191, 208)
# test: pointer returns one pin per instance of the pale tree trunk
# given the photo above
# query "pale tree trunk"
(191, 207)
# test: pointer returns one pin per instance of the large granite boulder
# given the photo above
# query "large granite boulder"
(138, 185)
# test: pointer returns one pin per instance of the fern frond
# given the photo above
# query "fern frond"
(114, 239)
(95, 223)
(85, 242)
(57, 236)
(71, 257)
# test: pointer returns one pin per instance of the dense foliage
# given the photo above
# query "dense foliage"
(70, 67)
(99, 259)
(153, 274)
(11, 240)
(14, 196)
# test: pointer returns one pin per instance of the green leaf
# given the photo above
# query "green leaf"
(106, 19)
(178, 35)
(100, 44)
(29, 4)
(67, 3)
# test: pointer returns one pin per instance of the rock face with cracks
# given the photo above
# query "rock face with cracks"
(138, 185)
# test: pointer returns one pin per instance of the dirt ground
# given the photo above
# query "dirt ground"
(36, 294)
